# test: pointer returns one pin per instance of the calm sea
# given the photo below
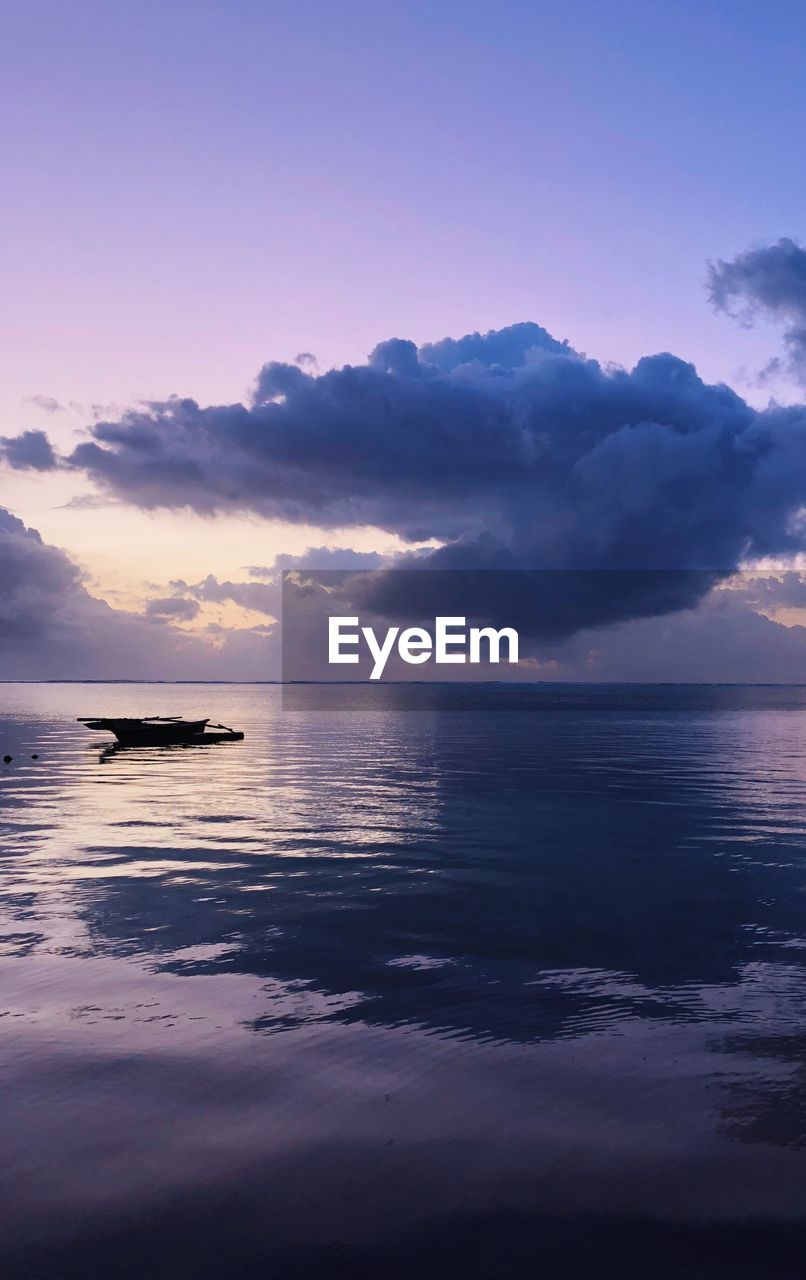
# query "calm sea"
(512, 987)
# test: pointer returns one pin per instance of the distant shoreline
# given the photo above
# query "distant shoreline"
(449, 684)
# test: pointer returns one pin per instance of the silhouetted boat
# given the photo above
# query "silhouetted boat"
(158, 731)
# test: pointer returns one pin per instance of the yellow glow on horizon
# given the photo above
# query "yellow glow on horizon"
(129, 555)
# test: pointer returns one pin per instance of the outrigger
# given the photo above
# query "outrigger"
(161, 731)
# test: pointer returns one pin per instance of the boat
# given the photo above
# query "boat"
(161, 731)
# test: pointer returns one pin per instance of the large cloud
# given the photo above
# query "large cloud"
(509, 448)
(533, 456)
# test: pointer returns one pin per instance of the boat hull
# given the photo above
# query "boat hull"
(162, 735)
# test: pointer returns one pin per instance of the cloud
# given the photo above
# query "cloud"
(178, 608)
(549, 462)
(35, 581)
(318, 558)
(508, 348)
(774, 591)
(30, 451)
(508, 447)
(46, 403)
(88, 502)
(767, 283)
(260, 596)
(265, 596)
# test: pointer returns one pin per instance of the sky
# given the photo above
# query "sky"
(194, 190)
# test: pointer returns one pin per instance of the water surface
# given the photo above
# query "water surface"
(514, 986)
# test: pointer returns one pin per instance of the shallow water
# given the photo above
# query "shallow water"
(510, 987)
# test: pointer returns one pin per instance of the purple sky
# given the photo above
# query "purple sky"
(194, 188)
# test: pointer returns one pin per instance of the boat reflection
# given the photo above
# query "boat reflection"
(202, 740)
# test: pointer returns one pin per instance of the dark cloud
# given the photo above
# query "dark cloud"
(35, 582)
(767, 283)
(552, 462)
(177, 608)
(509, 448)
(30, 451)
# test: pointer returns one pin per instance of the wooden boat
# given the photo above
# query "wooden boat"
(159, 731)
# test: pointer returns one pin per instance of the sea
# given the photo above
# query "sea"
(510, 985)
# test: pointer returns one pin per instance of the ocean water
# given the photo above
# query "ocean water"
(515, 986)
